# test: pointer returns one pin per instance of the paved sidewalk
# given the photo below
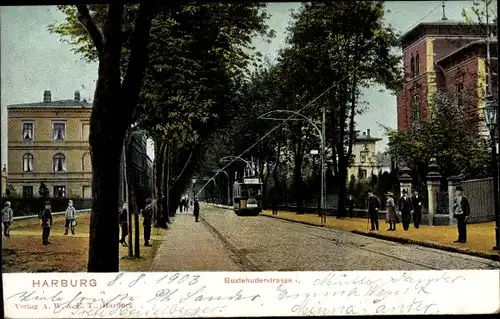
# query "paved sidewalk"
(480, 236)
(191, 246)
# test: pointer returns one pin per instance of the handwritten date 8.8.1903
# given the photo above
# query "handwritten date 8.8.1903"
(128, 294)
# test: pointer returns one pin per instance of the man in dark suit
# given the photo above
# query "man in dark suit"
(46, 223)
(196, 209)
(405, 208)
(350, 203)
(461, 212)
(373, 204)
(416, 203)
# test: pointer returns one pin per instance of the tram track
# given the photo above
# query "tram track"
(328, 235)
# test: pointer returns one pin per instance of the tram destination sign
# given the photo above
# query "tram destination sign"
(251, 181)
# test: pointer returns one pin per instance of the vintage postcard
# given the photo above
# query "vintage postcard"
(250, 159)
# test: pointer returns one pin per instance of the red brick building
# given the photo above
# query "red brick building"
(443, 55)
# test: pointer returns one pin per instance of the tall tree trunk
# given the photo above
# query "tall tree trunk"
(132, 197)
(112, 97)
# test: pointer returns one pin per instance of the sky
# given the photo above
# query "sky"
(33, 60)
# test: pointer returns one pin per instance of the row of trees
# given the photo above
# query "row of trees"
(174, 71)
(180, 73)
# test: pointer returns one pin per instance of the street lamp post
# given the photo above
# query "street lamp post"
(491, 118)
(194, 188)
(322, 137)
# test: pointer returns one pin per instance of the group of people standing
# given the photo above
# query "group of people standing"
(45, 216)
(407, 206)
(148, 213)
(412, 206)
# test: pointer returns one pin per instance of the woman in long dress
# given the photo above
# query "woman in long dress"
(391, 217)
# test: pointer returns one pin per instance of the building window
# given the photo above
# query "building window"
(27, 131)
(417, 65)
(59, 191)
(28, 162)
(362, 174)
(58, 131)
(27, 191)
(412, 66)
(416, 109)
(460, 94)
(59, 162)
(85, 131)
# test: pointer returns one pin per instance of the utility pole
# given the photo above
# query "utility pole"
(323, 179)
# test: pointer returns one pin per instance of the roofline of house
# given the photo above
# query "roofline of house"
(447, 23)
(367, 139)
(493, 41)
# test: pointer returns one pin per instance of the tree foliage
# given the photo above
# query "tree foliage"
(450, 136)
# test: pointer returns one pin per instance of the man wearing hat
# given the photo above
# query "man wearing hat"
(461, 212)
(405, 208)
(416, 203)
(70, 218)
(7, 218)
(196, 209)
(147, 213)
(46, 223)
(391, 217)
(373, 204)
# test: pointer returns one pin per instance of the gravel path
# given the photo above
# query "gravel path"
(268, 244)
(191, 246)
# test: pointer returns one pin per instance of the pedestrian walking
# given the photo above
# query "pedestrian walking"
(274, 204)
(391, 217)
(70, 218)
(7, 219)
(405, 208)
(350, 203)
(46, 223)
(373, 205)
(461, 212)
(147, 214)
(196, 210)
(416, 203)
(123, 221)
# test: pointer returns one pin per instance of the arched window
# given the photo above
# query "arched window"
(416, 109)
(86, 162)
(412, 66)
(59, 162)
(28, 162)
(417, 65)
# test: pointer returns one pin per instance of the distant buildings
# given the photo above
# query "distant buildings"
(444, 55)
(49, 142)
(364, 157)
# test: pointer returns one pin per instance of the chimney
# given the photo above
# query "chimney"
(368, 132)
(77, 96)
(46, 97)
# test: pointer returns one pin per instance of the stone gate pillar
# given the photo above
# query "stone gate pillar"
(405, 181)
(433, 184)
(453, 182)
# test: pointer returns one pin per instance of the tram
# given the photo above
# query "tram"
(247, 197)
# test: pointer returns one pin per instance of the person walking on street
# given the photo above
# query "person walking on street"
(46, 223)
(147, 213)
(350, 202)
(416, 203)
(373, 204)
(274, 204)
(123, 221)
(405, 208)
(196, 210)
(70, 218)
(461, 212)
(391, 217)
(7, 219)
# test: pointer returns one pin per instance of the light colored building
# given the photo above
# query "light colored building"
(364, 157)
(48, 142)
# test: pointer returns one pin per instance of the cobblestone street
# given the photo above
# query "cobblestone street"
(223, 241)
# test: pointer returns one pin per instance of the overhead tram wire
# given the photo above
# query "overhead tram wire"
(301, 109)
